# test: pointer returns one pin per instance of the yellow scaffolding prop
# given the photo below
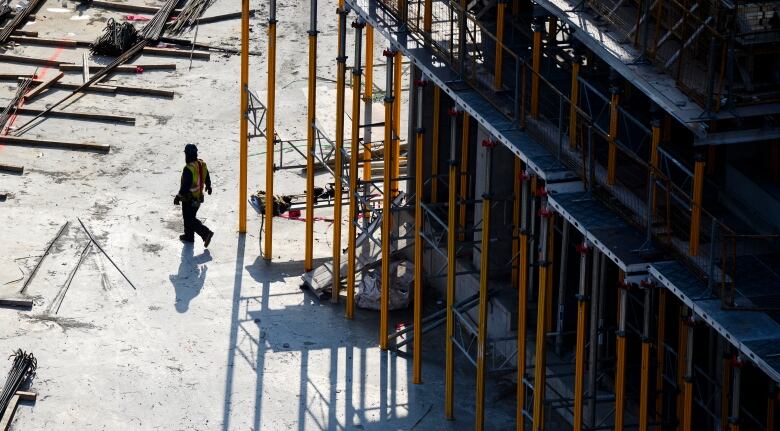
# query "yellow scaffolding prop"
(698, 187)
(428, 16)
(368, 99)
(435, 144)
(353, 171)
(310, 114)
(655, 141)
(659, 360)
(644, 378)
(540, 362)
(579, 355)
(536, 62)
(498, 70)
(418, 241)
(338, 169)
(484, 271)
(687, 407)
(575, 100)
(270, 133)
(449, 360)
(386, 211)
(396, 173)
(516, 219)
(522, 298)
(244, 119)
(464, 172)
(613, 131)
(620, 352)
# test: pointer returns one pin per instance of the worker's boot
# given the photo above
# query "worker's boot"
(207, 239)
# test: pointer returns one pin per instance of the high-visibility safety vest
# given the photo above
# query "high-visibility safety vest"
(199, 173)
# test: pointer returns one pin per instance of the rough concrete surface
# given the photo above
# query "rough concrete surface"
(210, 339)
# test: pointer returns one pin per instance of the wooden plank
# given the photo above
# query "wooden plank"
(8, 415)
(126, 68)
(16, 302)
(145, 91)
(220, 18)
(24, 33)
(30, 60)
(44, 41)
(200, 55)
(43, 85)
(78, 115)
(35, 142)
(27, 395)
(127, 7)
(11, 168)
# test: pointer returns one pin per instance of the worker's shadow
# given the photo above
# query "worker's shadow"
(188, 282)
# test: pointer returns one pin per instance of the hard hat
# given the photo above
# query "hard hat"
(191, 149)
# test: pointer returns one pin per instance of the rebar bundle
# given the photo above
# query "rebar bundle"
(116, 39)
(188, 16)
(8, 110)
(5, 8)
(22, 372)
(155, 27)
(20, 17)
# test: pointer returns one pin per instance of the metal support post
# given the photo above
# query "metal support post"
(428, 17)
(771, 403)
(725, 388)
(579, 355)
(338, 168)
(594, 335)
(522, 300)
(698, 187)
(310, 136)
(540, 363)
(353, 169)
(368, 99)
(574, 99)
(484, 270)
(386, 211)
(613, 130)
(682, 345)
(464, 172)
(562, 278)
(418, 241)
(244, 119)
(396, 173)
(655, 134)
(644, 378)
(435, 144)
(688, 379)
(449, 372)
(659, 360)
(620, 353)
(498, 70)
(517, 184)
(270, 133)
(536, 63)
(735, 394)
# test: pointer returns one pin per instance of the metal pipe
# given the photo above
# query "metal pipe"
(735, 397)
(537, 26)
(574, 100)
(613, 131)
(449, 373)
(310, 136)
(464, 172)
(620, 353)
(579, 355)
(484, 269)
(368, 99)
(562, 276)
(682, 343)
(593, 350)
(428, 17)
(540, 363)
(244, 118)
(353, 170)
(659, 361)
(644, 379)
(338, 168)
(270, 133)
(386, 202)
(498, 71)
(435, 144)
(396, 173)
(688, 381)
(418, 242)
(698, 187)
(522, 301)
(517, 185)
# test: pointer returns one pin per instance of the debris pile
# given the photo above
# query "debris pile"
(116, 39)
(401, 284)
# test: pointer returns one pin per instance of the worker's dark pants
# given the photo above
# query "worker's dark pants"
(191, 224)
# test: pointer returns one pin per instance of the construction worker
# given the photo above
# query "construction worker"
(194, 179)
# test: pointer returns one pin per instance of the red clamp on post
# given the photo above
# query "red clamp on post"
(452, 112)
(582, 248)
(420, 83)
(139, 69)
(489, 143)
(736, 361)
(523, 176)
(545, 212)
(388, 53)
(540, 192)
(646, 284)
